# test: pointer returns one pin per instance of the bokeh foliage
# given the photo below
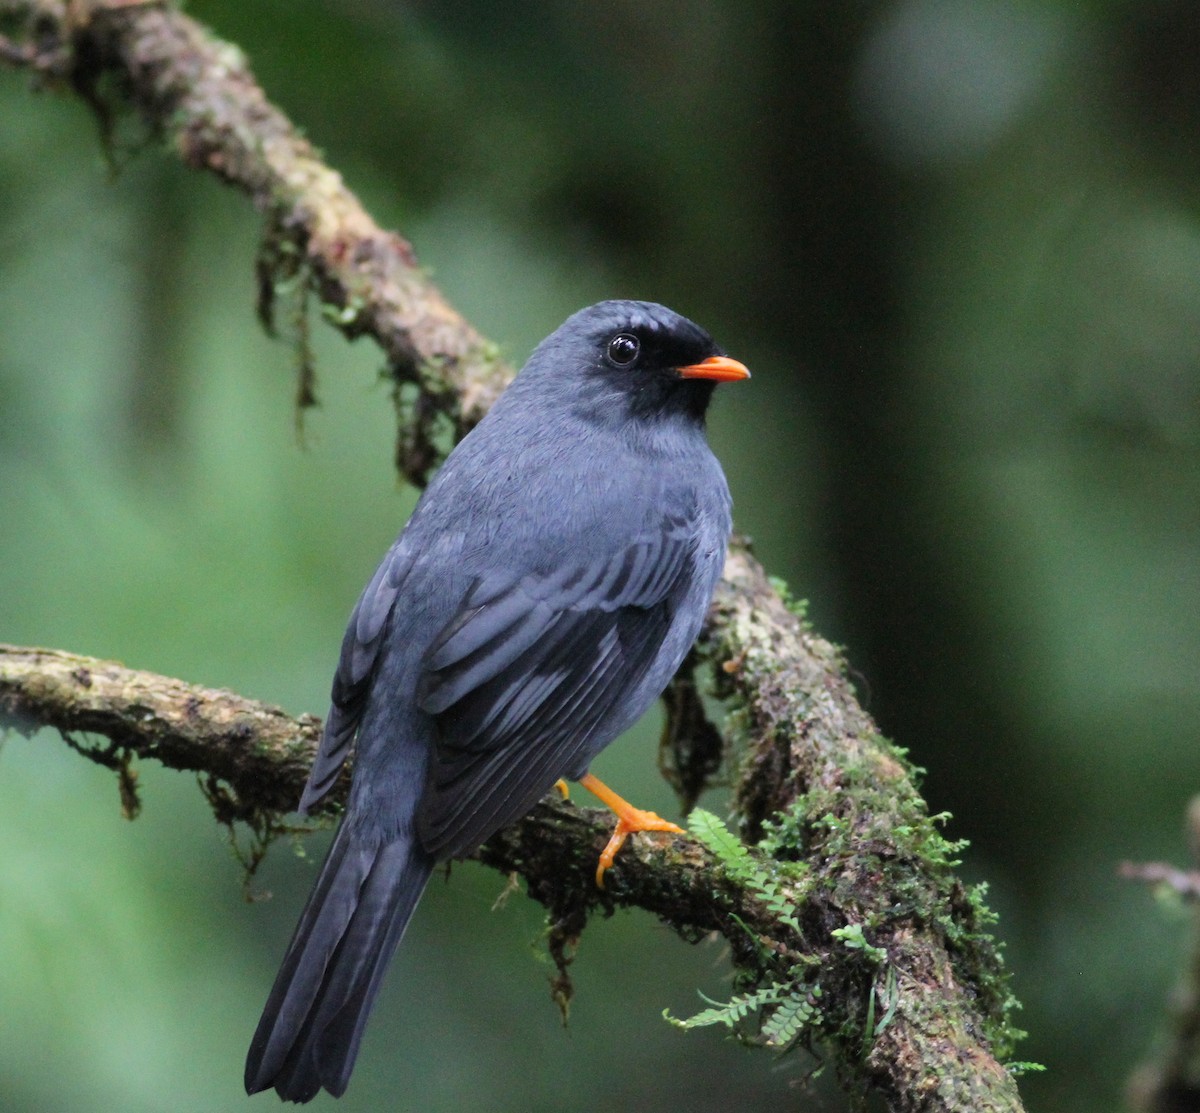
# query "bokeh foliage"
(959, 245)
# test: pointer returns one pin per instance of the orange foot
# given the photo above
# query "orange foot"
(629, 820)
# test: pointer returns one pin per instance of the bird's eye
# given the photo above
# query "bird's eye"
(623, 349)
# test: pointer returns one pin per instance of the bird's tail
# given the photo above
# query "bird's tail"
(313, 1021)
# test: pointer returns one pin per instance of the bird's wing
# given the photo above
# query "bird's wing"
(356, 665)
(529, 675)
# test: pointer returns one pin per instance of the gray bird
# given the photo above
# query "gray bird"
(549, 583)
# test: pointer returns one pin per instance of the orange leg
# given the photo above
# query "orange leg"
(629, 820)
(564, 790)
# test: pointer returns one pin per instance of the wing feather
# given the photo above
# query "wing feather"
(356, 666)
(522, 700)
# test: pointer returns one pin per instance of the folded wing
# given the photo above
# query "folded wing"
(535, 674)
(356, 666)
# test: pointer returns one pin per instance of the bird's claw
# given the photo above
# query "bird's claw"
(629, 823)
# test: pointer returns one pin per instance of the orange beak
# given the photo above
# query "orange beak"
(721, 369)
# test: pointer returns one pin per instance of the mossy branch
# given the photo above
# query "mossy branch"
(197, 93)
(847, 920)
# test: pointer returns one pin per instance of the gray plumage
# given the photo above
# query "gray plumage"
(547, 586)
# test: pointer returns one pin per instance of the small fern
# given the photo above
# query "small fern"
(1019, 1068)
(784, 1008)
(731, 1013)
(733, 854)
(743, 866)
(785, 1011)
(786, 1023)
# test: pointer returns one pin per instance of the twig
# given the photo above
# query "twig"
(1169, 1082)
(1184, 883)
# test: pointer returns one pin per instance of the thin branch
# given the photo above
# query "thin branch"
(17, 55)
(1169, 1082)
(914, 999)
(1183, 883)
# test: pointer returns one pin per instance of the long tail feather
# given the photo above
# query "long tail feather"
(313, 1021)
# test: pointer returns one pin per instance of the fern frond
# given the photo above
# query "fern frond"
(790, 1018)
(732, 853)
(729, 1013)
(742, 865)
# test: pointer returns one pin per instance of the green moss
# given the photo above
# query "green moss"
(878, 854)
(798, 606)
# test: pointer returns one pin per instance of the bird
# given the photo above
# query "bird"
(549, 583)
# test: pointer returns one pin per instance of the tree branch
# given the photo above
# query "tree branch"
(852, 930)
(198, 93)
(1170, 1081)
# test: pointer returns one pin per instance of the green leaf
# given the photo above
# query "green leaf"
(789, 1020)
(852, 936)
(741, 863)
(734, 1010)
(1020, 1068)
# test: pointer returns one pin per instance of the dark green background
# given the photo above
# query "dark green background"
(959, 245)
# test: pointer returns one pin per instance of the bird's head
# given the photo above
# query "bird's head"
(631, 358)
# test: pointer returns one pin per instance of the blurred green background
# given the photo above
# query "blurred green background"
(959, 245)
